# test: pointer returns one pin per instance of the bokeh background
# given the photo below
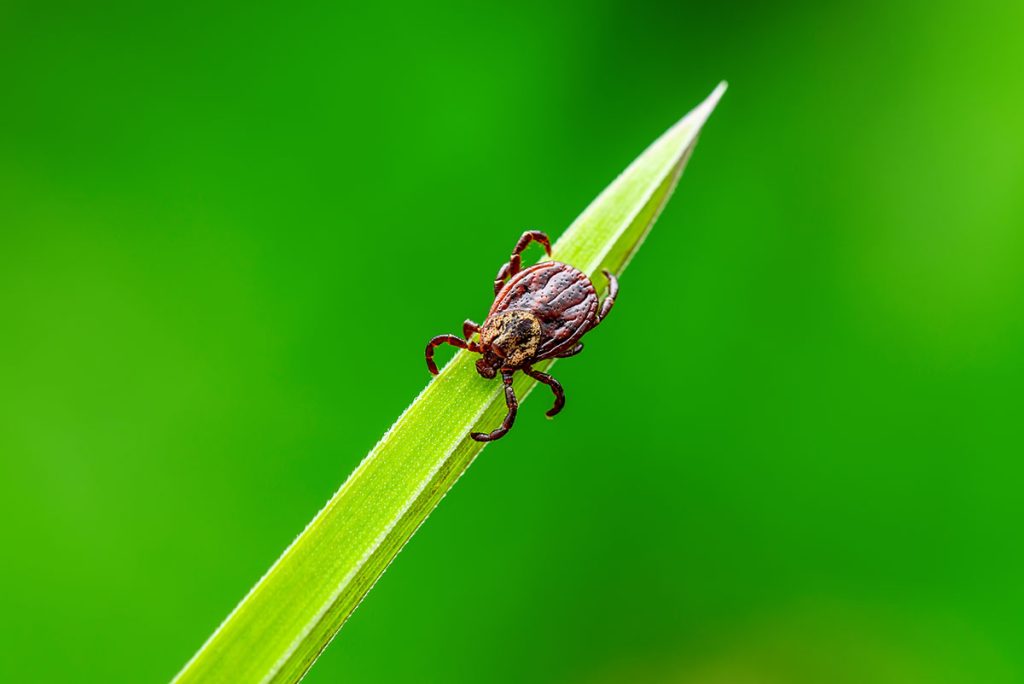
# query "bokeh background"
(793, 454)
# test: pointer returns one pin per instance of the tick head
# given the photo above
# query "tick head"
(488, 364)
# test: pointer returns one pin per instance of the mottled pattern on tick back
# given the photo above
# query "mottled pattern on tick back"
(560, 296)
(538, 313)
(515, 335)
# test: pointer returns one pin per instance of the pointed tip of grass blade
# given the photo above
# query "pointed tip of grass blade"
(698, 116)
(705, 108)
(606, 236)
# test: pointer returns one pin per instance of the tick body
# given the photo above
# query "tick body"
(538, 313)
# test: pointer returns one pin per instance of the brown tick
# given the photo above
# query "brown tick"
(540, 313)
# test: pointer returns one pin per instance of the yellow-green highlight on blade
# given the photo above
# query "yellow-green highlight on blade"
(278, 630)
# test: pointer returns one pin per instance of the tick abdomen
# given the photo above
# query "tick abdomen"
(560, 296)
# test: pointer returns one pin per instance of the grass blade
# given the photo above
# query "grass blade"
(278, 630)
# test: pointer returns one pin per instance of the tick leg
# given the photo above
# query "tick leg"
(446, 339)
(468, 328)
(572, 352)
(510, 417)
(515, 261)
(525, 239)
(499, 280)
(555, 386)
(613, 292)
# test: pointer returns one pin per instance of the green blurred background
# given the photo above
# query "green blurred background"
(793, 454)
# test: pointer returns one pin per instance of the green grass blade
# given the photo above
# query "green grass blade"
(278, 630)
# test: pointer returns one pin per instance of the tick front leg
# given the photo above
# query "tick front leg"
(555, 386)
(515, 261)
(613, 292)
(468, 328)
(510, 417)
(446, 339)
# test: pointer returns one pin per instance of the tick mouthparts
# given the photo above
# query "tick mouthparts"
(485, 369)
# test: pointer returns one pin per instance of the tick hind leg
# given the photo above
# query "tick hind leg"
(613, 292)
(510, 417)
(555, 386)
(572, 352)
(446, 339)
(515, 262)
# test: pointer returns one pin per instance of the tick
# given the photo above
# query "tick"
(540, 313)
